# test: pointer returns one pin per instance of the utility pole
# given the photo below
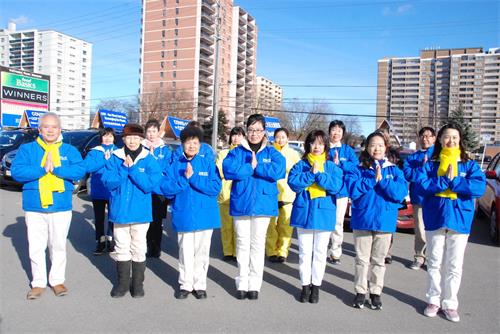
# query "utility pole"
(215, 97)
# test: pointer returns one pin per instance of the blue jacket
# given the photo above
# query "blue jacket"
(318, 213)
(163, 155)
(94, 164)
(347, 160)
(206, 151)
(440, 212)
(194, 205)
(375, 205)
(413, 165)
(254, 192)
(130, 187)
(26, 169)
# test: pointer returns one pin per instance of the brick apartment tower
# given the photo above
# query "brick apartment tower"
(178, 53)
(417, 91)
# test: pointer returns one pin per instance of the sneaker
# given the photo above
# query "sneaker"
(417, 264)
(431, 310)
(333, 260)
(60, 290)
(111, 246)
(200, 294)
(359, 301)
(35, 293)
(451, 315)
(281, 259)
(273, 258)
(376, 302)
(100, 248)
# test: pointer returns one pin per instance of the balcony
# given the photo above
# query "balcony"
(205, 91)
(242, 30)
(206, 60)
(208, 18)
(207, 50)
(207, 38)
(207, 28)
(241, 47)
(249, 61)
(241, 65)
(208, 7)
(205, 102)
(205, 80)
(206, 70)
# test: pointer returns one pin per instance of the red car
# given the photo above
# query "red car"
(489, 203)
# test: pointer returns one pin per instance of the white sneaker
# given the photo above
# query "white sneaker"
(451, 315)
(431, 310)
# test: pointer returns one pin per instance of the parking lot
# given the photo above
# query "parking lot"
(89, 309)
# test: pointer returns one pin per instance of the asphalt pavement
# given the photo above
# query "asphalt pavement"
(88, 308)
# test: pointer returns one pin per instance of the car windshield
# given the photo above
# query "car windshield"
(9, 138)
(75, 138)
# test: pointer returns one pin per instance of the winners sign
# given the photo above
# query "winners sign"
(21, 91)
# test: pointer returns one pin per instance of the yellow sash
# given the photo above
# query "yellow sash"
(448, 156)
(316, 191)
(49, 183)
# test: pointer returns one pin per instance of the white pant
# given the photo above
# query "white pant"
(130, 242)
(338, 235)
(47, 229)
(448, 246)
(194, 254)
(250, 251)
(313, 246)
(419, 232)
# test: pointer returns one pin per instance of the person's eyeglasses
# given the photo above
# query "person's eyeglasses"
(426, 136)
(255, 131)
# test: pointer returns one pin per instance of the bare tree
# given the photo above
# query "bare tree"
(352, 135)
(161, 103)
(301, 118)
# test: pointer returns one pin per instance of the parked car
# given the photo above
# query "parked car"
(83, 140)
(489, 203)
(10, 140)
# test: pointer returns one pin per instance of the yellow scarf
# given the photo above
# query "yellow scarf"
(448, 156)
(49, 182)
(316, 191)
(277, 147)
(232, 146)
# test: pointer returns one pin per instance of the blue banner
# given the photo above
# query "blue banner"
(177, 125)
(32, 117)
(272, 123)
(113, 119)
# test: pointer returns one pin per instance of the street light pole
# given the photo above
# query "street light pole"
(215, 97)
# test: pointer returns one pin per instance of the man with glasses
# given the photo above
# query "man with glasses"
(411, 166)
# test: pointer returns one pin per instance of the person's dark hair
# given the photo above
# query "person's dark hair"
(254, 118)
(311, 137)
(191, 132)
(426, 128)
(285, 130)
(364, 157)
(107, 131)
(338, 123)
(152, 123)
(237, 130)
(437, 147)
(195, 124)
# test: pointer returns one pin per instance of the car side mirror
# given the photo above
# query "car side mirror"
(491, 174)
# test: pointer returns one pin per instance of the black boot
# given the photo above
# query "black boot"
(138, 268)
(123, 274)
(306, 292)
(314, 297)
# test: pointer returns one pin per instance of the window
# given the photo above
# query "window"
(163, 33)
(162, 64)
(164, 12)
(177, 11)
(176, 42)
(163, 54)
(175, 53)
(161, 84)
(161, 74)
(174, 63)
(84, 60)
(176, 21)
(176, 31)
(162, 44)
(84, 52)
(174, 74)
(84, 75)
(164, 23)
(83, 97)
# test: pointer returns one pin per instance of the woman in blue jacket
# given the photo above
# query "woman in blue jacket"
(450, 182)
(95, 162)
(254, 169)
(131, 175)
(316, 182)
(376, 187)
(194, 183)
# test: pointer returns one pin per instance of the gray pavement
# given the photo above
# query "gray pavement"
(88, 308)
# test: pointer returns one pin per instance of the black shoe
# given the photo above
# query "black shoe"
(111, 246)
(240, 294)
(273, 258)
(376, 303)
(200, 294)
(333, 260)
(359, 301)
(100, 248)
(228, 258)
(183, 294)
(253, 295)
(281, 259)
(123, 278)
(137, 286)
(388, 260)
(314, 297)
(304, 295)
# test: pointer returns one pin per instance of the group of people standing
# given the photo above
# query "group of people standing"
(256, 193)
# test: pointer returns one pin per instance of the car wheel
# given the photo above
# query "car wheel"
(494, 233)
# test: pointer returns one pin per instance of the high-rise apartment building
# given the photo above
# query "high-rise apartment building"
(68, 62)
(416, 91)
(179, 54)
(269, 96)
